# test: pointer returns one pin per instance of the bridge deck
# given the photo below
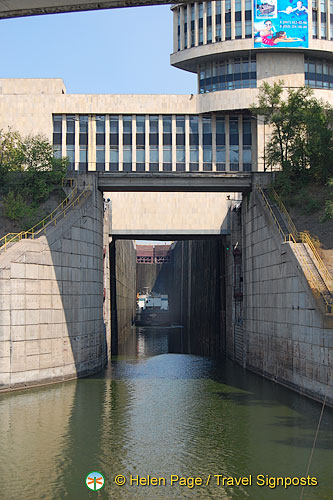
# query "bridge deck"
(17, 8)
(204, 182)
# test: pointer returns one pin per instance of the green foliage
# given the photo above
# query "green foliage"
(15, 207)
(308, 204)
(28, 172)
(301, 141)
(328, 214)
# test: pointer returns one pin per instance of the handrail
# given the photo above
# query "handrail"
(290, 223)
(259, 188)
(303, 237)
(41, 226)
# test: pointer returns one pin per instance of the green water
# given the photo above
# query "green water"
(159, 413)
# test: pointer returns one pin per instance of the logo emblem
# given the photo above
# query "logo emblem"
(95, 481)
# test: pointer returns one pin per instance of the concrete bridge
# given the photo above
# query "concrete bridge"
(173, 205)
(16, 8)
(204, 182)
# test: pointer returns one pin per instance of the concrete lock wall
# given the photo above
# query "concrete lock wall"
(123, 290)
(283, 334)
(147, 276)
(196, 288)
(51, 301)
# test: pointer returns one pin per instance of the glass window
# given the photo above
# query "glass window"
(228, 74)
(247, 132)
(100, 124)
(234, 154)
(114, 155)
(200, 36)
(153, 154)
(207, 125)
(140, 124)
(140, 155)
(209, 34)
(114, 127)
(127, 155)
(220, 125)
(70, 124)
(248, 29)
(83, 119)
(233, 131)
(194, 124)
(238, 5)
(57, 151)
(220, 131)
(83, 154)
(167, 124)
(100, 154)
(70, 152)
(228, 31)
(207, 154)
(180, 154)
(127, 124)
(167, 154)
(153, 124)
(194, 154)
(57, 124)
(180, 124)
(220, 154)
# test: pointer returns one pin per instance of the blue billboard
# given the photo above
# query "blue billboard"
(280, 23)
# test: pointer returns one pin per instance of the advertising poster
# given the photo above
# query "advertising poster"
(280, 23)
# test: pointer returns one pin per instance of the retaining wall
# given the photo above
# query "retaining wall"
(286, 336)
(196, 288)
(123, 290)
(51, 301)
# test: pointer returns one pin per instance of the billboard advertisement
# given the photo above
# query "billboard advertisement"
(280, 23)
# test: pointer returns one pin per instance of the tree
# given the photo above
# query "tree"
(301, 141)
(10, 152)
(28, 172)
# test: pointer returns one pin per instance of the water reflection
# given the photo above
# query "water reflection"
(153, 411)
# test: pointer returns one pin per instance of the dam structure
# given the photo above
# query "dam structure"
(187, 168)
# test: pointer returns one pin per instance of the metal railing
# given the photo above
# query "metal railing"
(293, 236)
(58, 213)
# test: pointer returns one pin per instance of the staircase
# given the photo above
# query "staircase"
(315, 271)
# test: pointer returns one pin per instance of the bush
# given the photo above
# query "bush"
(15, 207)
(28, 173)
(328, 214)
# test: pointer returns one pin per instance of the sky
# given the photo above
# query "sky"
(118, 51)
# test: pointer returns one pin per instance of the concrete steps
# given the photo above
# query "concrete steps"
(307, 261)
(320, 283)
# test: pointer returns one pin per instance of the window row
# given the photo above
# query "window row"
(322, 19)
(203, 23)
(318, 73)
(227, 74)
(194, 143)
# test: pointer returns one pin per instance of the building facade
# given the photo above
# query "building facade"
(233, 46)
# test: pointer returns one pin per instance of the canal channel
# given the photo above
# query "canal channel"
(157, 412)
